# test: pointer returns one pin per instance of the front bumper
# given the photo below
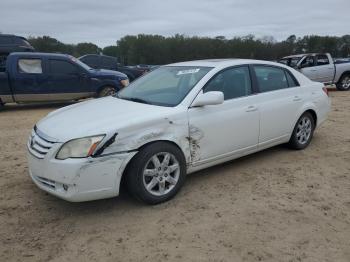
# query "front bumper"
(78, 180)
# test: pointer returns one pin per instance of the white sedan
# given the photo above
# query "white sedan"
(177, 119)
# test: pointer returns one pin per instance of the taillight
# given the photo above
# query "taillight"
(325, 90)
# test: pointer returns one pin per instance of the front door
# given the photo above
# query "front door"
(220, 131)
(67, 81)
(308, 68)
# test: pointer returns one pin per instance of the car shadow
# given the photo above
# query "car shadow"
(126, 203)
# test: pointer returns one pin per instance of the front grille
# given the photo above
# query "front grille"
(46, 182)
(38, 146)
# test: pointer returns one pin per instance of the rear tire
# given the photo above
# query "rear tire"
(303, 132)
(344, 83)
(107, 91)
(156, 173)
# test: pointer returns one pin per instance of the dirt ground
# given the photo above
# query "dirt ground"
(276, 205)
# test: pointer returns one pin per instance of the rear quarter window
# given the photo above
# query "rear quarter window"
(292, 82)
(30, 66)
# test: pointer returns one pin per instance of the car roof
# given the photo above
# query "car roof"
(32, 54)
(97, 55)
(221, 63)
(8, 35)
(301, 55)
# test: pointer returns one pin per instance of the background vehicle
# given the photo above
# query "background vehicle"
(321, 68)
(12, 43)
(175, 120)
(111, 63)
(32, 77)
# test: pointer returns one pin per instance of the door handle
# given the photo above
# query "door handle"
(251, 109)
(297, 98)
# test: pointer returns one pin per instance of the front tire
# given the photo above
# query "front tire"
(303, 132)
(107, 91)
(344, 83)
(156, 173)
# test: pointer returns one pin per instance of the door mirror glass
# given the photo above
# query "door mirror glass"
(209, 98)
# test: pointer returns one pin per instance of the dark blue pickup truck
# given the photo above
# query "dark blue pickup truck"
(34, 77)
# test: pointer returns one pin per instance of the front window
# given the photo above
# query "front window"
(165, 86)
(291, 61)
(309, 61)
(60, 67)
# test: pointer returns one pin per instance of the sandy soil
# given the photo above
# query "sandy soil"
(276, 205)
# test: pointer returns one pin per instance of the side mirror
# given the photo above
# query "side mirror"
(209, 98)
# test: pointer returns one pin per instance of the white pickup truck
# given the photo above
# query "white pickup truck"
(321, 68)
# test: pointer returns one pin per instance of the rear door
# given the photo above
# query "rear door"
(29, 79)
(279, 101)
(67, 81)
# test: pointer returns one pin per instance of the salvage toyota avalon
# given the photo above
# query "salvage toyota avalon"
(177, 119)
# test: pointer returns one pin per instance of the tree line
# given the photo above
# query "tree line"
(157, 49)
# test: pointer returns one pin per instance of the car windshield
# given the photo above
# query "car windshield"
(165, 86)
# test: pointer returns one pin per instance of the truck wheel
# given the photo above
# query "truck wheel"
(156, 173)
(344, 83)
(107, 91)
(303, 132)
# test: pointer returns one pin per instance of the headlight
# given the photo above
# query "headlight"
(124, 82)
(79, 148)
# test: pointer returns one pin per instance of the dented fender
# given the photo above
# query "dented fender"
(133, 137)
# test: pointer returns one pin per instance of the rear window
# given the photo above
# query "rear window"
(270, 78)
(322, 60)
(30, 66)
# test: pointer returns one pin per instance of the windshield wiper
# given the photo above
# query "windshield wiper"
(134, 99)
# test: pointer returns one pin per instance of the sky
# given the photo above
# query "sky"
(104, 22)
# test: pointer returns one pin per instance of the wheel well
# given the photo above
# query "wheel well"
(107, 85)
(343, 74)
(123, 179)
(314, 115)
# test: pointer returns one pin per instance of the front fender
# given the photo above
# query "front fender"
(136, 136)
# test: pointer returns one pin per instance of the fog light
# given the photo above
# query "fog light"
(65, 187)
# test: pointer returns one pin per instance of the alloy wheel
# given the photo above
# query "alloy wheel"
(304, 130)
(161, 173)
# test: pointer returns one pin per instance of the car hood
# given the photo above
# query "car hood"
(105, 72)
(98, 116)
